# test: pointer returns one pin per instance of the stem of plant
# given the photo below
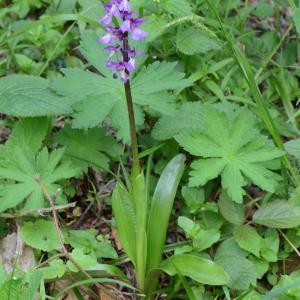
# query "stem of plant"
(130, 108)
(136, 170)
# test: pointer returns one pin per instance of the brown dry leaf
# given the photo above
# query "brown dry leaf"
(104, 296)
(114, 234)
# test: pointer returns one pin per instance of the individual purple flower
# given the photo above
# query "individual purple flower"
(117, 37)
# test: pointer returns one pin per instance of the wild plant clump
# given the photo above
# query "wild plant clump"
(149, 150)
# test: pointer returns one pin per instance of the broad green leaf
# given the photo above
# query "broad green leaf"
(88, 148)
(206, 238)
(230, 247)
(161, 208)
(248, 239)
(125, 217)
(193, 197)
(233, 259)
(88, 242)
(178, 8)
(56, 269)
(155, 26)
(188, 117)
(202, 238)
(241, 271)
(189, 226)
(231, 211)
(28, 133)
(84, 260)
(279, 214)
(26, 169)
(94, 52)
(270, 248)
(199, 269)
(293, 148)
(29, 96)
(260, 265)
(232, 147)
(192, 41)
(41, 235)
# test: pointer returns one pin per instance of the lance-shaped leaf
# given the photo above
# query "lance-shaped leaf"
(160, 211)
(125, 216)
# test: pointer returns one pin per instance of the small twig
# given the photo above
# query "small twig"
(289, 242)
(54, 212)
(36, 210)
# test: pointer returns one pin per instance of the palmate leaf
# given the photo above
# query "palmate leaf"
(101, 97)
(88, 147)
(28, 133)
(230, 146)
(21, 173)
(187, 117)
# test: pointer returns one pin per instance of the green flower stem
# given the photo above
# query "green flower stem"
(133, 134)
(130, 108)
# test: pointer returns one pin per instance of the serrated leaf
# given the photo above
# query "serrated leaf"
(231, 147)
(201, 270)
(241, 271)
(178, 8)
(193, 197)
(293, 148)
(279, 214)
(40, 234)
(22, 171)
(192, 41)
(28, 133)
(188, 117)
(231, 211)
(270, 248)
(29, 96)
(248, 239)
(88, 147)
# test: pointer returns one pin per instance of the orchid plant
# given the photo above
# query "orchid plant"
(138, 234)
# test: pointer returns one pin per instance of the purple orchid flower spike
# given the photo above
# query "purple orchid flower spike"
(117, 37)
